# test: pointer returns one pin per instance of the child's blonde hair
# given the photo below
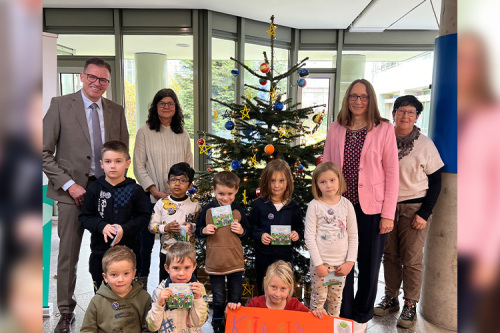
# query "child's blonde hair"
(283, 270)
(180, 251)
(117, 253)
(322, 168)
(278, 165)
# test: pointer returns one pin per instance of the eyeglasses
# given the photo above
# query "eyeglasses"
(164, 105)
(354, 98)
(409, 113)
(92, 78)
(178, 180)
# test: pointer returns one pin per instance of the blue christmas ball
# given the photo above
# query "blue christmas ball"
(301, 82)
(235, 165)
(229, 125)
(301, 167)
(193, 189)
(278, 106)
(303, 72)
(235, 72)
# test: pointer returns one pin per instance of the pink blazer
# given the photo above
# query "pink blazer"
(378, 182)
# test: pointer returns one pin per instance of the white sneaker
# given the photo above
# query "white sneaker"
(359, 327)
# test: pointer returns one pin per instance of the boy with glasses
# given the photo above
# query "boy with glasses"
(174, 216)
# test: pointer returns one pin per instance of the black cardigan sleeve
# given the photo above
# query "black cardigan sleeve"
(432, 195)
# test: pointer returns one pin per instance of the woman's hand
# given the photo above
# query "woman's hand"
(386, 226)
(266, 238)
(418, 223)
(157, 194)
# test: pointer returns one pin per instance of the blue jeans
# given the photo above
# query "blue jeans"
(217, 282)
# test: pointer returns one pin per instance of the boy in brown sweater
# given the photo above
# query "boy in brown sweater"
(224, 256)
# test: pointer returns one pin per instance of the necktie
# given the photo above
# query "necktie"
(96, 136)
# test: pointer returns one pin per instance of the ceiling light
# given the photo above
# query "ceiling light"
(182, 45)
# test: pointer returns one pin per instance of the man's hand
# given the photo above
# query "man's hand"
(77, 192)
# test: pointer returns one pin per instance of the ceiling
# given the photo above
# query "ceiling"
(357, 15)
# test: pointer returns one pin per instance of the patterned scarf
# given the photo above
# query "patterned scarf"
(405, 143)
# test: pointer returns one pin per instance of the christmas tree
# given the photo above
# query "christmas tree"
(266, 126)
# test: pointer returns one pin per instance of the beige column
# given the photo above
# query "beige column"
(150, 76)
(438, 303)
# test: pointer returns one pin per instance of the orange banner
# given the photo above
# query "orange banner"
(258, 320)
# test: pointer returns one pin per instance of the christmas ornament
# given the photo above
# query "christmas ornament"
(301, 82)
(269, 149)
(235, 165)
(201, 142)
(278, 106)
(318, 118)
(319, 159)
(255, 150)
(235, 72)
(244, 113)
(304, 73)
(264, 67)
(273, 94)
(245, 197)
(204, 149)
(272, 30)
(216, 115)
(262, 82)
(301, 167)
(253, 162)
(193, 189)
(226, 114)
(229, 125)
(257, 191)
(285, 132)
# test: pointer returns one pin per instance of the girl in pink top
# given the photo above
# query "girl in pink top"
(363, 144)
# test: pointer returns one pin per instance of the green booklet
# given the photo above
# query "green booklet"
(332, 280)
(222, 216)
(281, 234)
(182, 297)
(183, 235)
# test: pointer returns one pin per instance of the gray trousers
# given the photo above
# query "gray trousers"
(70, 234)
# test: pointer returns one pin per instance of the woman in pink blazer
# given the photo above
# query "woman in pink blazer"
(363, 144)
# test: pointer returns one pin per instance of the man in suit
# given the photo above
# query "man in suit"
(74, 129)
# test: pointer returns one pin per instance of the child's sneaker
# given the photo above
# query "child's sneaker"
(408, 316)
(387, 305)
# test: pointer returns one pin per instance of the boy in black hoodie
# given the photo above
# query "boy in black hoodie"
(114, 209)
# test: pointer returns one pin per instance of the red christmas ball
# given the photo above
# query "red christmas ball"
(319, 159)
(257, 191)
(201, 142)
(264, 67)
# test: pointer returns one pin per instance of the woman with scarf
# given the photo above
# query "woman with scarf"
(419, 187)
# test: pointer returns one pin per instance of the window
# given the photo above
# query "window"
(393, 74)
(81, 45)
(223, 82)
(319, 59)
(177, 73)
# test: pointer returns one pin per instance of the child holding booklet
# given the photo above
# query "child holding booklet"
(180, 263)
(174, 216)
(331, 236)
(274, 209)
(224, 256)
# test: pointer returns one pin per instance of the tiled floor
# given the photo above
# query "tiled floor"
(84, 292)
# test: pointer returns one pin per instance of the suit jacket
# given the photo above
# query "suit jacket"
(66, 141)
(378, 176)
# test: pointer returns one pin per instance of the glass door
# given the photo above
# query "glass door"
(319, 90)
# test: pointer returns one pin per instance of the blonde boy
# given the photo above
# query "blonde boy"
(180, 263)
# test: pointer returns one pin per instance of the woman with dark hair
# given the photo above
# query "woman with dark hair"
(363, 144)
(419, 187)
(159, 144)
